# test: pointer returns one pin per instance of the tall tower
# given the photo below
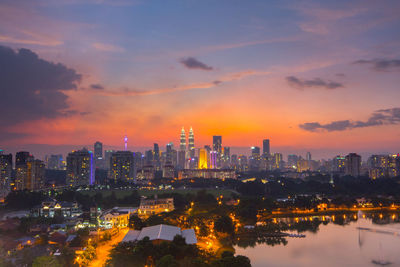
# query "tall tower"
(191, 143)
(126, 142)
(266, 148)
(182, 146)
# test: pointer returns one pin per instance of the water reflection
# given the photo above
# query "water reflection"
(345, 239)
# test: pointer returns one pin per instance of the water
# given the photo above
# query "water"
(335, 245)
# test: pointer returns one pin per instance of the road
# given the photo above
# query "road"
(103, 250)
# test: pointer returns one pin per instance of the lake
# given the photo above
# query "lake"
(356, 242)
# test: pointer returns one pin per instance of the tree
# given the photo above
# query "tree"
(224, 224)
(48, 261)
(136, 223)
(167, 261)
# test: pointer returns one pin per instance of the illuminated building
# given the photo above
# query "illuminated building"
(98, 155)
(226, 157)
(107, 158)
(191, 143)
(182, 146)
(213, 159)
(203, 159)
(114, 218)
(154, 206)
(168, 170)
(207, 174)
(80, 168)
(54, 162)
(308, 156)
(255, 158)
(353, 164)
(156, 157)
(339, 163)
(21, 159)
(217, 144)
(303, 165)
(35, 170)
(122, 167)
(266, 148)
(277, 160)
(292, 161)
(51, 208)
(181, 159)
(5, 171)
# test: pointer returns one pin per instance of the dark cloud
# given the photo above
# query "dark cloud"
(340, 75)
(216, 82)
(379, 117)
(32, 88)
(381, 64)
(193, 63)
(96, 87)
(317, 82)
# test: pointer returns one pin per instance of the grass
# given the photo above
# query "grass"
(150, 192)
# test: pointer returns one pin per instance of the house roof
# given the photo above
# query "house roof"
(161, 232)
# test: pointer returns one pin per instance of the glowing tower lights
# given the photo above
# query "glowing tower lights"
(126, 142)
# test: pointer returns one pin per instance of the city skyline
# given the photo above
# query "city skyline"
(306, 75)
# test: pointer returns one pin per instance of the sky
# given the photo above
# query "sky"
(319, 76)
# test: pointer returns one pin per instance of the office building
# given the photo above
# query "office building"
(6, 165)
(107, 158)
(122, 167)
(308, 156)
(80, 168)
(21, 169)
(266, 148)
(353, 164)
(217, 144)
(54, 162)
(182, 145)
(203, 159)
(98, 155)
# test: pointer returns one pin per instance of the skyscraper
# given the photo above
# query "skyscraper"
(353, 164)
(266, 148)
(54, 162)
(203, 159)
(182, 146)
(107, 157)
(80, 168)
(5, 171)
(98, 150)
(34, 179)
(21, 168)
(308, 156)
(217, 144)
(156, 157)
(122, 166)
(191, 143)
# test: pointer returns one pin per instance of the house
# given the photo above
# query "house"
(51, 208)
(160, 233)
(154, 206)
(114, 219)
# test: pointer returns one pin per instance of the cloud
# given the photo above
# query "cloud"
(202, 85)
(107, 47)
(32, 88)
(193, 63)
(381, 64)
(97, 86)
(380, 117)
(317, 82)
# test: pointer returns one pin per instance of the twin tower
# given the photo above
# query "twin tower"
(182, 145)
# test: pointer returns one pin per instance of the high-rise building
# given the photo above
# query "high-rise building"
(292, 161)
(278, 160)
(353, 164)
(308, 156)
(203, 159)
(5, 171)
(182, 146)
(255, 158)
(98, 150)
(54, 162)
(122, 166)
(266, 148)
(34, 179)
(107, 158)
(80, 168)
(21, 169)
(181, 159)
(339, 164)
(217, 144)
(191, 143)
